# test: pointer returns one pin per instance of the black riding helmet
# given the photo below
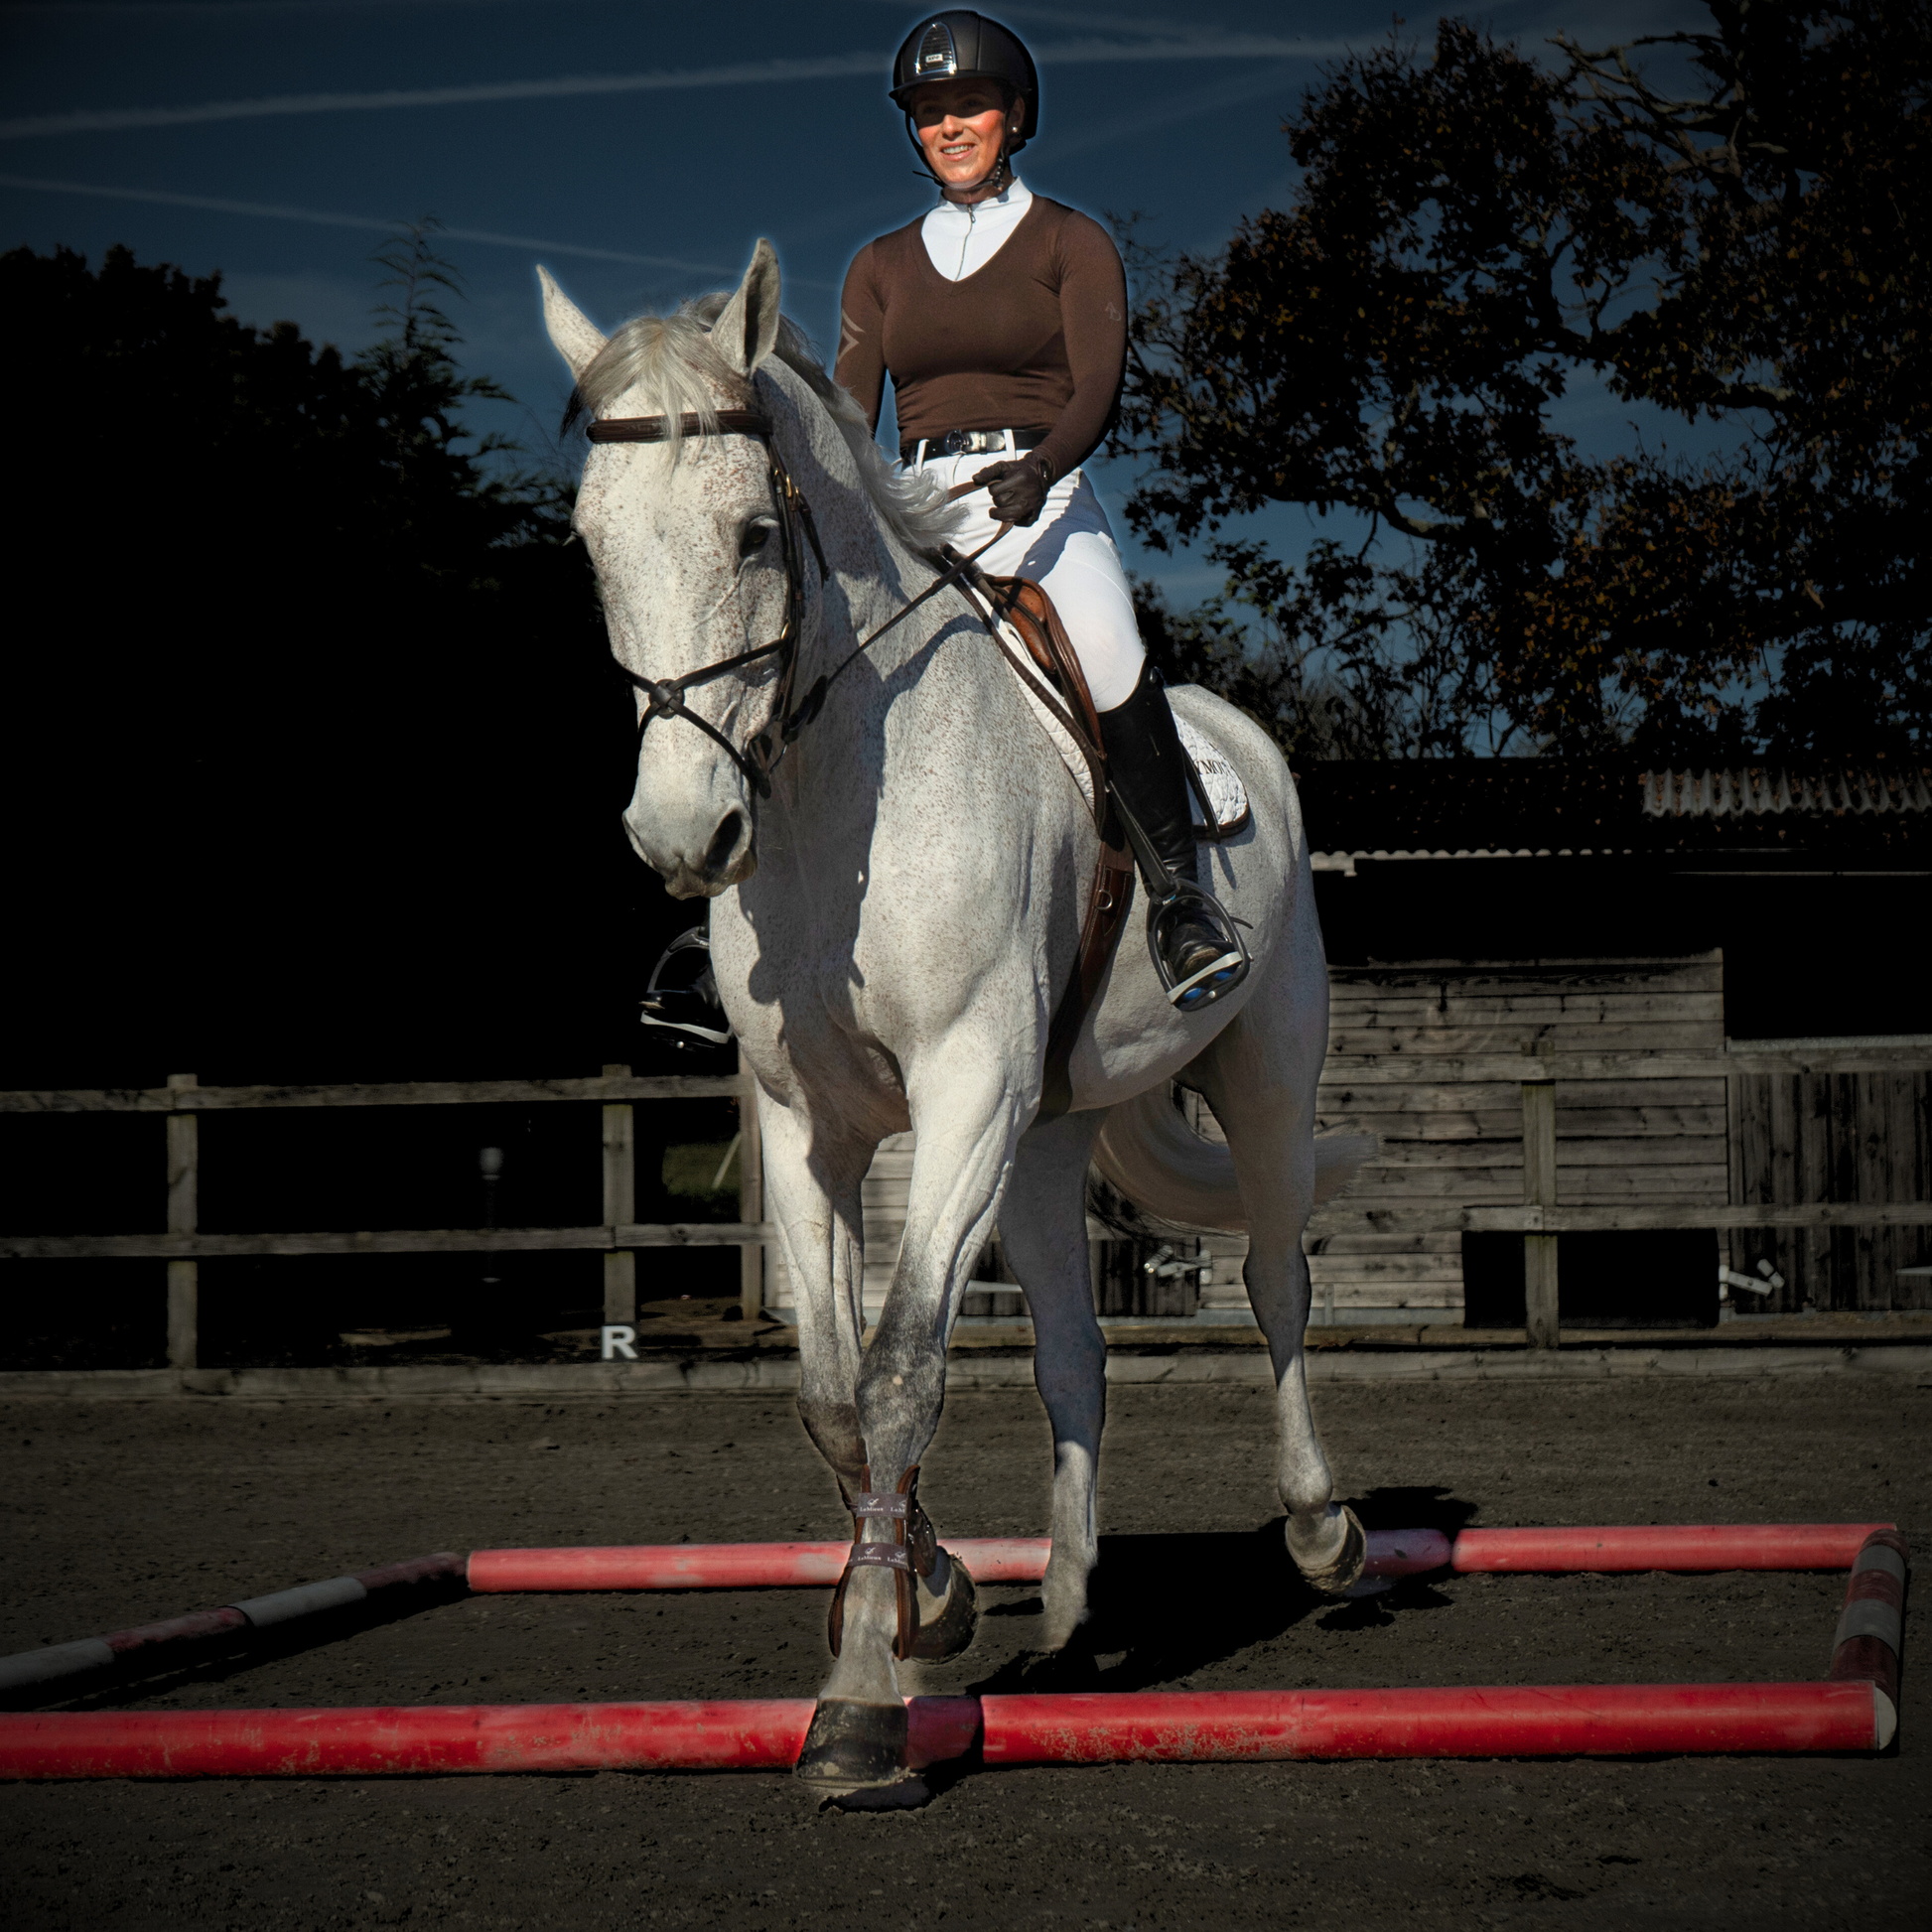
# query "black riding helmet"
(960, 45)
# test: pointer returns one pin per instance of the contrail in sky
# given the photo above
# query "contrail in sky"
(1082, 53)
(319, 218)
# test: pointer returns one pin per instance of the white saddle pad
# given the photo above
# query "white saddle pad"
(1218, 778)
(1226, 794)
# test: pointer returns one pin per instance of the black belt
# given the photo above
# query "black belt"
(972, 442)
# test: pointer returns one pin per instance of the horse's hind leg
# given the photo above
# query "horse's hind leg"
(1043, 1230)
(1258, 1077)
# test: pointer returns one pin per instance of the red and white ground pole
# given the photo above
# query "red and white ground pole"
(1853, 1710)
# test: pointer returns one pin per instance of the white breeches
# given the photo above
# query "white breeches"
(1070, 554)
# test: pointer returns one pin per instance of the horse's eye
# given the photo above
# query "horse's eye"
(753, 538)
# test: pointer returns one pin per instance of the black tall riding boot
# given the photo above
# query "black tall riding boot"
(1193, 942)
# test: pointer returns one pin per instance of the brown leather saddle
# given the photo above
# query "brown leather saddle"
(1029, 611)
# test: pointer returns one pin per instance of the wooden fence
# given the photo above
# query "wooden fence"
(1450, 1139)
(185, 1246)
(1417, 1056)
(1849, 1135)
(1542, 1216)
(1378, 1081)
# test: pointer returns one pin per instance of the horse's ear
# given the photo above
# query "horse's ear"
(745, 333)
(576, 336)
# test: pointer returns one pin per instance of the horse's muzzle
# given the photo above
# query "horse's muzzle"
(728, 857)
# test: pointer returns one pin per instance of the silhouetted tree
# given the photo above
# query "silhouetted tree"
(313, 722)
(1477, 234)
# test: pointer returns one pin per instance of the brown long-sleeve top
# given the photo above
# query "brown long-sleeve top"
(1035, 339)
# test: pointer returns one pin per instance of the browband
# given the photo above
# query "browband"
(651, 429)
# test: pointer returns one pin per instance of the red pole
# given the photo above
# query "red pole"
(757, 1735)
(1690, 1546)
(1561, 1721)
(729, 1566)
(1406, 1552)
(753, 1735)
(778, 1566)
(1023, 1559)
(1568, 1720)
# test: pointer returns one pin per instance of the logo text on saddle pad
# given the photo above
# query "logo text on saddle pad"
(1217, 797)
(1220, 799)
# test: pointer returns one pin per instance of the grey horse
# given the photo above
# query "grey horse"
(895, 907)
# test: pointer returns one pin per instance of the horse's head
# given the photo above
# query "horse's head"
(688, 538)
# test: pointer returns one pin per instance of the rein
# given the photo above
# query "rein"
(665, 697)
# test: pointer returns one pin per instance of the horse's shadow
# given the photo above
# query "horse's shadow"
(1162, 1607)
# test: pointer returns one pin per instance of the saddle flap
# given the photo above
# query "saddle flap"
(1219, 798)
(1029, 611)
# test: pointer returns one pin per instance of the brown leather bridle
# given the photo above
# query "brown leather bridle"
(665, 697)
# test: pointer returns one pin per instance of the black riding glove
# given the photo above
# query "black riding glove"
(1017, 489)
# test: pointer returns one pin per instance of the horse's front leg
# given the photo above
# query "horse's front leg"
(901, 1594)
(813, 1174)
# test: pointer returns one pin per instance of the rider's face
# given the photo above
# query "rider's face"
(960, 125)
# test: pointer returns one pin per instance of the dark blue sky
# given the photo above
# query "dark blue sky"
(638, 149)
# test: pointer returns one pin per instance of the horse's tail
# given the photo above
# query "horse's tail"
(1158, 1175)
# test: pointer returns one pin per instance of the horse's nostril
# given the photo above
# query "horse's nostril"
(723, 842)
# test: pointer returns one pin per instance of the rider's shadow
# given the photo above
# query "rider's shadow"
(1162, 1607)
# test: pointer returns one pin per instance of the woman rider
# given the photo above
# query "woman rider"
(1002, 318)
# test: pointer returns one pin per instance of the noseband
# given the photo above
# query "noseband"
(665, 697)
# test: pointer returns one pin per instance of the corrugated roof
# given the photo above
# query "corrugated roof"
(1450, 807)
(1756, 790)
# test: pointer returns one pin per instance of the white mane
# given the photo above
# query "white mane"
(670, 357)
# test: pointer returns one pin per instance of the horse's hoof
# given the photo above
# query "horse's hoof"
(1334, 1578)
(1063, 1605)
(854, 1747)
(1057, 1632)
(908, 1794)
(953, 1629)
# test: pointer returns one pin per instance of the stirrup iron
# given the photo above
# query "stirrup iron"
(691, 1012)
(1171, 897)
(1220, 975)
